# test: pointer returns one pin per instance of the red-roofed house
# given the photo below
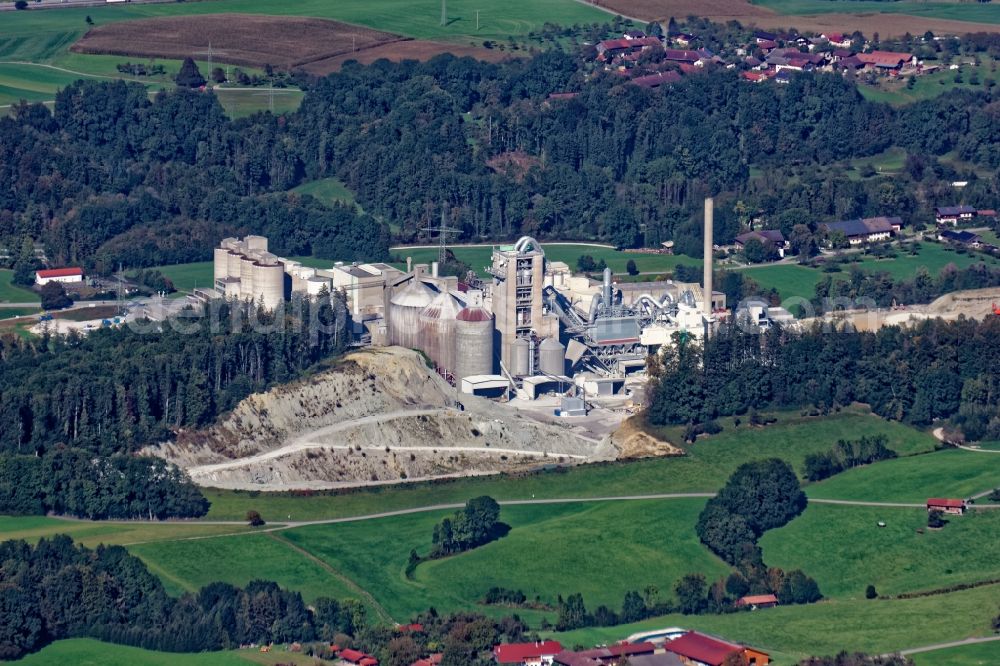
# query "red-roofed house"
(887, 60)
(696, 649)
(539, 653)
(838, 39)
(611, 655)
(656, 80)
(432, 660)
(678, 55)
(952, 506)
(43, 277)
(758, 601)
(611, 48)
(357, 657)
(405, 628)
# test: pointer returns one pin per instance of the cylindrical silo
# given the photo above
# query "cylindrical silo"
(521, 357)
(473, 343)
(220, 265)
(246, 278)
(404, 314)
(437, 330)
(551, 357)
(233, 262)
(269, 284)
(258, 243)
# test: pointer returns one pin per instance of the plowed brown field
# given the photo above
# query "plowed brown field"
(240, 39)
(749, 14)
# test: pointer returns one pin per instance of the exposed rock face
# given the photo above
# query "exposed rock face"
(380, 416)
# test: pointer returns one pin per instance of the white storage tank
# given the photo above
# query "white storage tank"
(404, 314)
(220, 265)
(437, 330)
(521, 357)
(269, 283)
(551, 357)
(246, 278)
(473, 343)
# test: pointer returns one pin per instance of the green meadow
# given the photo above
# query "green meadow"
(327, 191)
(827, 627)
(11, 293)
(89, 652)
(980, 654)
(903, 556)
(948, 473)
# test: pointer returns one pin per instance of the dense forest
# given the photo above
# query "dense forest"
(111, 176)
(934, 370)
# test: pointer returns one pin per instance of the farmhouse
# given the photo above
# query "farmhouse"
(612, 655)
(696, 649)
(679, 55)
(838, 39)
(432, 660)
(960, 238)
(539, 653)
(953, 506)
(758, 601)
(64, 275)
(887, 61)
(656, 80)
(868, 230)
(772, 236)
(613, 48)
(357, 657)
(954, 214)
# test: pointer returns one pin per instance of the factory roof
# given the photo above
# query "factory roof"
(699, 647)
(444, 306)
(414, 295)
(59, 272)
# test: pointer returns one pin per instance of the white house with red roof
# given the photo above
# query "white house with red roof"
(539, 653)
(64, 275)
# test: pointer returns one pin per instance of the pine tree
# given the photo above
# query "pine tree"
(189, 76)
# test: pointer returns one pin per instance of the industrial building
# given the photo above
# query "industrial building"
(533, 328)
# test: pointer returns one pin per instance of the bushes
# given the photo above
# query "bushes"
(473, 526)
(845, 455)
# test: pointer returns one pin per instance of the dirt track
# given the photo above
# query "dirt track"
(748, 14)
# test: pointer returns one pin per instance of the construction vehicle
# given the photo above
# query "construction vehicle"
(996, 309)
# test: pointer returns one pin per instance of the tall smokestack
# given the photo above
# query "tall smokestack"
(709, 221)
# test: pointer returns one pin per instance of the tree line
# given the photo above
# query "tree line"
(934, 369)
(76, 483)
(846, 454)
(116, 390)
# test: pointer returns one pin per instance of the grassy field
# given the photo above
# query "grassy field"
(954, 11)
(7, 313)
(188, 276)
(874, 626)
(907, 561)
(186, 565)
(89, 533)
(328, 191)
(981, 654)
(600, 550)
(88, 652)
(11, 293)
(949, 473)
(705, 469)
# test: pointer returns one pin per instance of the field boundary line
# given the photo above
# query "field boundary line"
(941, 646)
(326, 566)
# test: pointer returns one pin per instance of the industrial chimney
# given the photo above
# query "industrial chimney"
(707, 298)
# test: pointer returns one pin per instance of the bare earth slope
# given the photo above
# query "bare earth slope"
(380, 417)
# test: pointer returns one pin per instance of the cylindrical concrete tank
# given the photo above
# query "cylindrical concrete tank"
(520, 357)
(246, 278)
(473, 343)
(269, 284)
(551, 357)
(404, 314)
(233, 259)
(437, 330)
(220, 264)
(258, 243)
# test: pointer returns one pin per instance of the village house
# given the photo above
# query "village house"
(610, 49)
(868, 230)
(357, 658)
(954, 214)
(697, 649)
(838, 39)
(612, 655)
(772, 236)
(756, 601)
(962, 237)
(539, 653)
(955, 507)
(432, 660)
(887, 61)
(657, 79)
